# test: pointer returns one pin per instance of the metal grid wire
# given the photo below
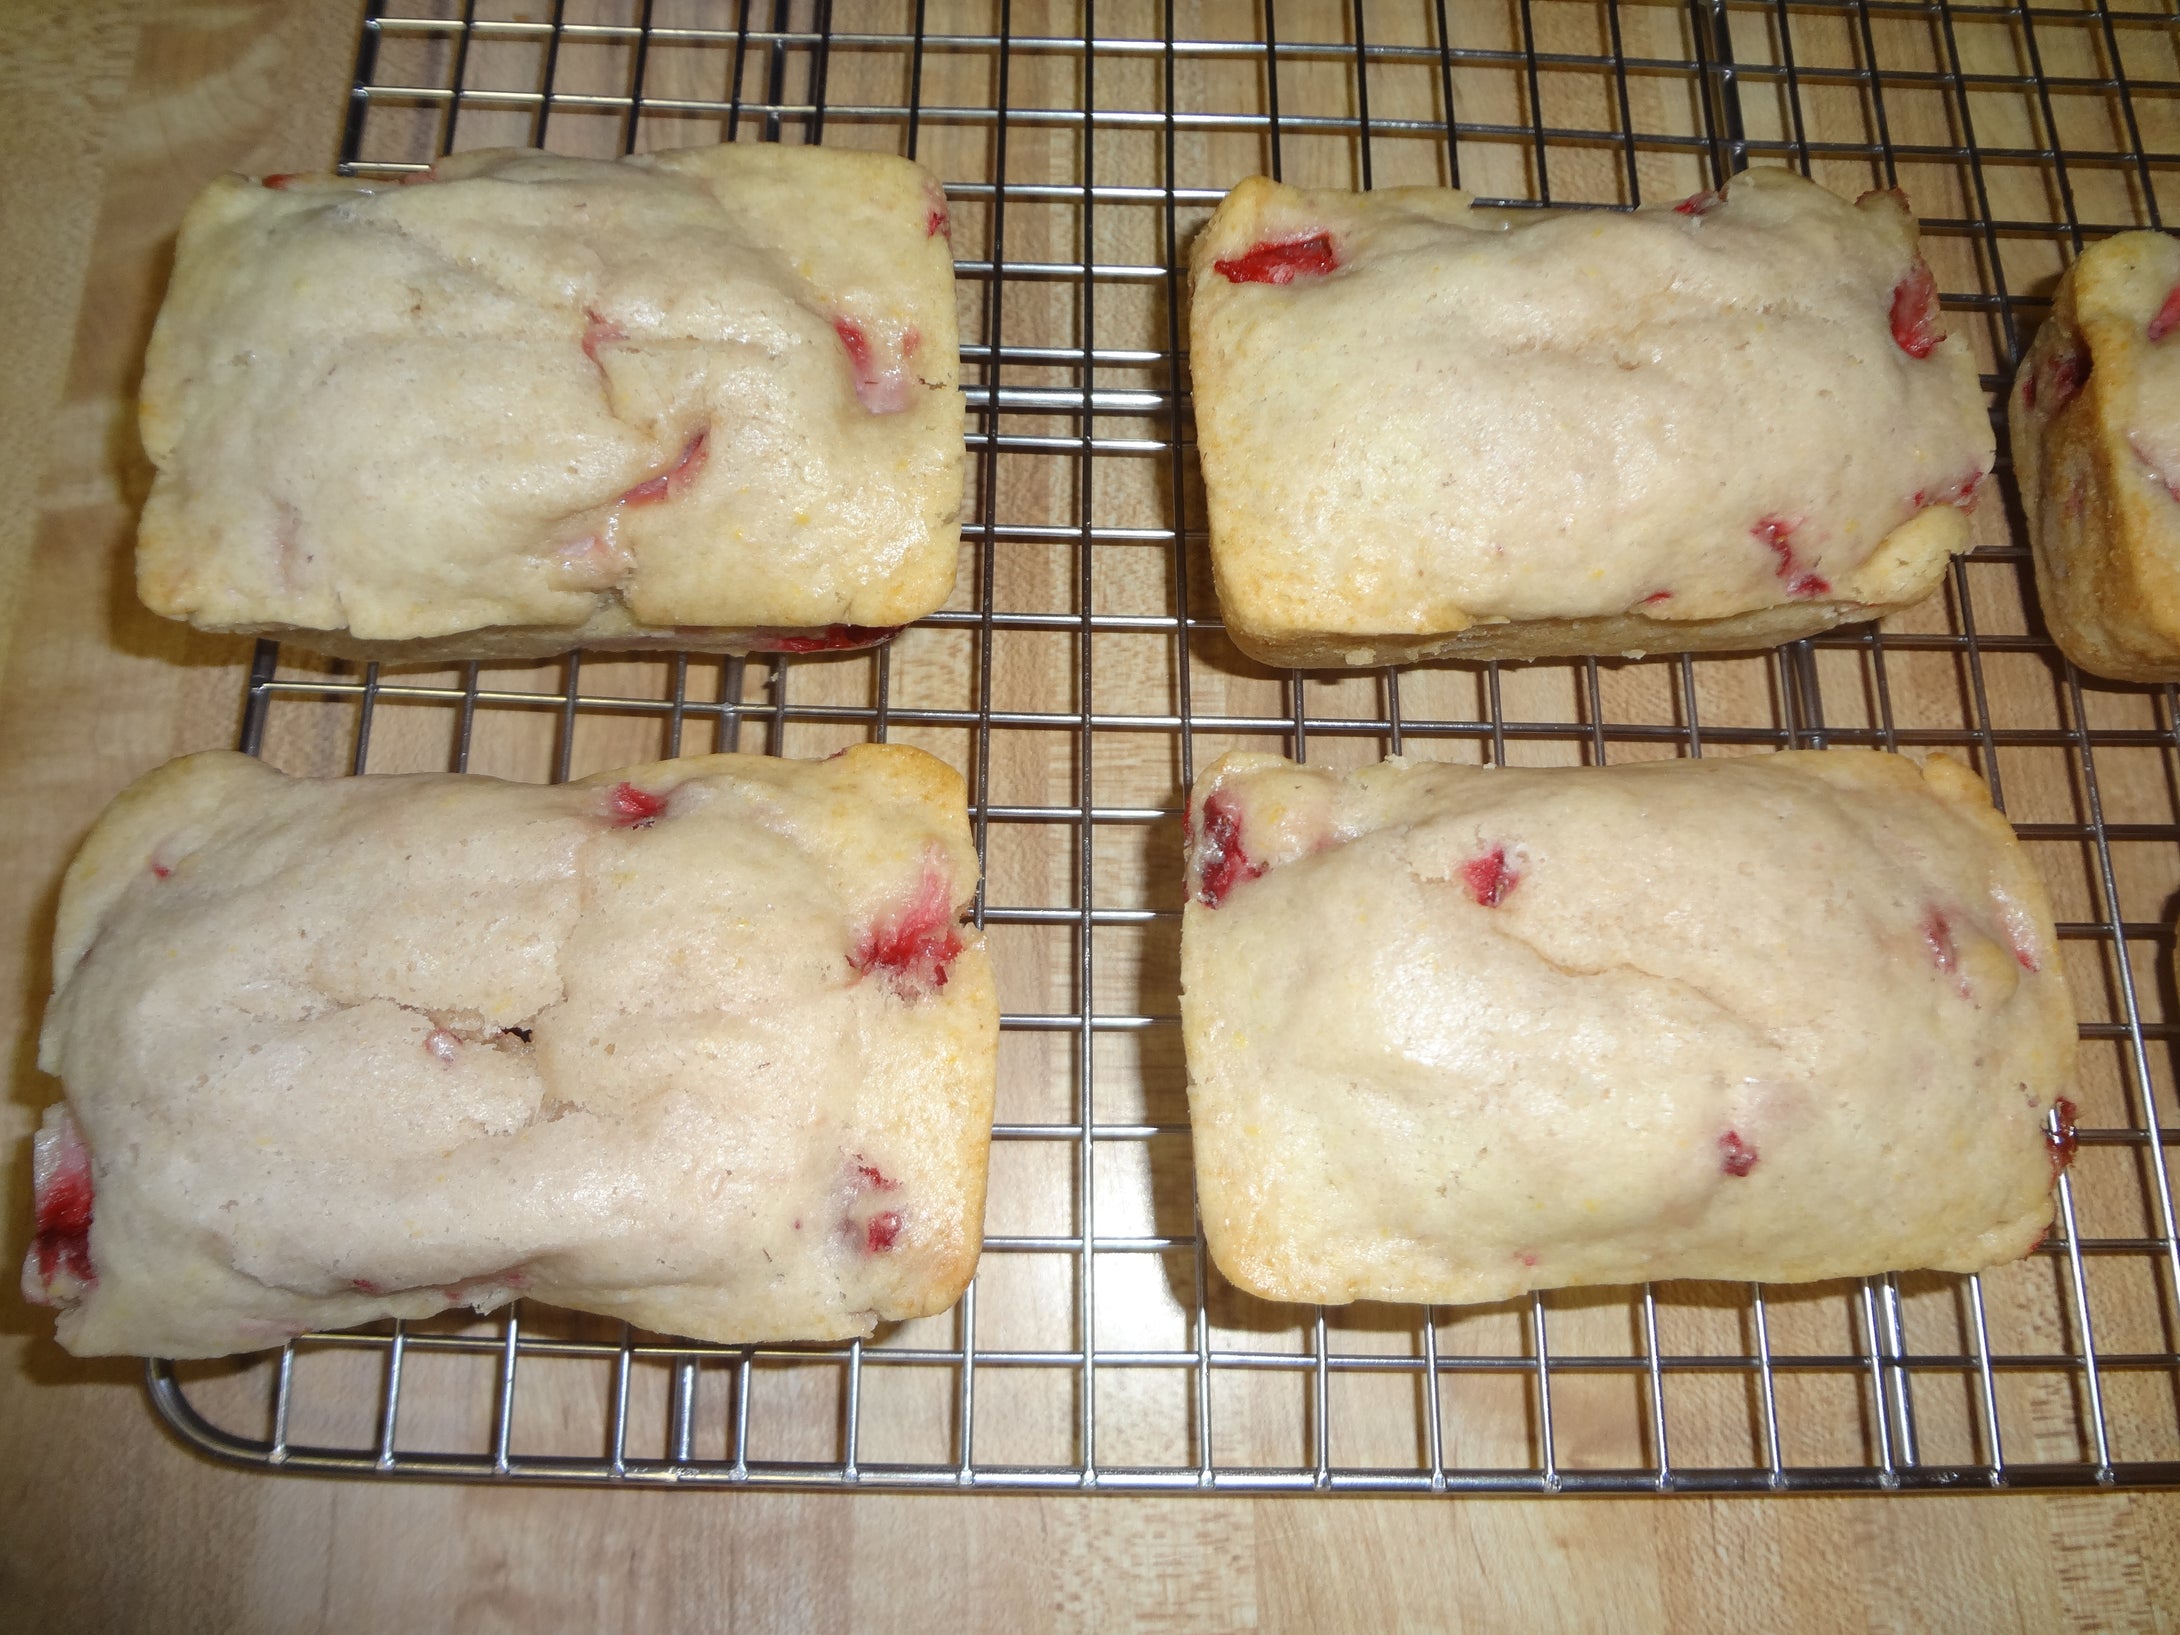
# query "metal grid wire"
(1080, 676)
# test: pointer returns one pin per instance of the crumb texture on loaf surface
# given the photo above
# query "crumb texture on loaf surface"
(1476, 433)
(2095, 427)
(528, 402)
(701, 1044)
(1457, 1033)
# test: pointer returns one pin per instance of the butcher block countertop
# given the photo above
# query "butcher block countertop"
(117, 111)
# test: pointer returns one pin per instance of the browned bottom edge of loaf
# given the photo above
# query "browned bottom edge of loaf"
(1620, 635)
(514, 643)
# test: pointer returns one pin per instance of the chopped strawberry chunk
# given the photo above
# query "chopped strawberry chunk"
(633, 808)
(669, 483)
(1489, 877)
(2062, 1140)
(1916, 325)
(883, 1232)
(1655, 597)
(913, 946)
(1221, 863)
(1735, 1156)
(1698, 203)
(1282, 262)
(58, 1267)
(1778, 533)
(280, 180)
(2026, 960)
(159, 870)
(599, 332)
(880, 385)
(2164, 470)
(1939, 938)
(2058, 380)
(873, 1176)
(937, 221)
(857, 342)
(834, 638)
(2167, 318)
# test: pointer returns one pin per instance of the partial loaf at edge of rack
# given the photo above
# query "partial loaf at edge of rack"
(2095, 428)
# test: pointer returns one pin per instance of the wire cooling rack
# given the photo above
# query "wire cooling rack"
(1080, 675)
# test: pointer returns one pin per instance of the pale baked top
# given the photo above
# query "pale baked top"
(713, 387)
(1454, 1033)
(1415, 415)
(700, 1044)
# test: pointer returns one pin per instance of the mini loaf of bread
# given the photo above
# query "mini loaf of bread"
(1456, 1033)
(1433, 431)
(701, 1045)
(703, 399)
(2095, 427)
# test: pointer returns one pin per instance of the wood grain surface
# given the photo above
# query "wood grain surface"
(117, 111)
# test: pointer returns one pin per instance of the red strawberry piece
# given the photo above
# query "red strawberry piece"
(2168, 474)
(1489, 878)
(669, 483)
(1697, 204)
(2056, 381)
(1916, 325)
(633, 808)
(1281, 262)
(1655, 597)
(1938, 937)
(834, 638)
(58, 1266)
(937, 221)
(1778, 533)
(599, 332)
(882, 1232)
(1735, 1156)
(879, 386)
(912, 946)
(1221, 863)
(159, 870)
(2062, 1140)
(2167, 318)
(852, 337)
(873, 1176)
(281, 180)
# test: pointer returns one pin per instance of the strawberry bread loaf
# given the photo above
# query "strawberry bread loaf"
(1434, 431)
(2095, 428)
(703, 399)
(702, 1045)
(1456, 1033)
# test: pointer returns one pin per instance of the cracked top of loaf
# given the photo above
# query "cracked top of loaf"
(526, 402)
(1429, 429)
(1455, 1033)
(700, 1044)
